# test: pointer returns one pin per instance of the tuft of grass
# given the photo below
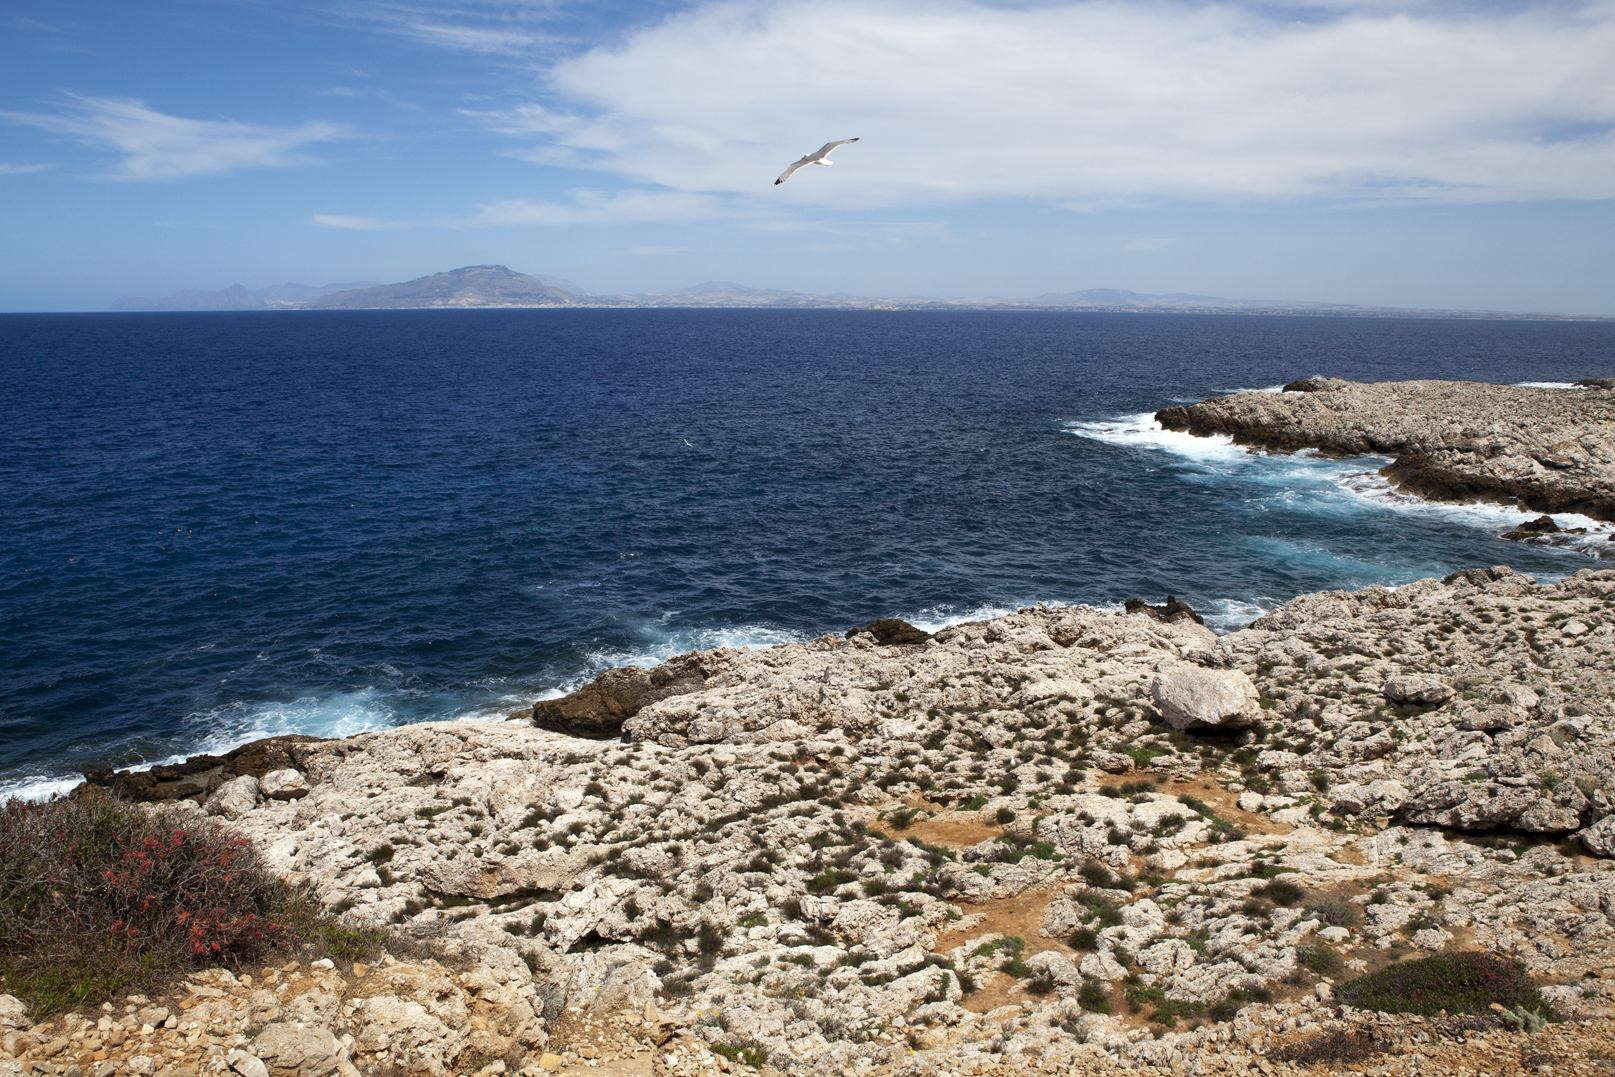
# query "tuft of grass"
(1458, 983)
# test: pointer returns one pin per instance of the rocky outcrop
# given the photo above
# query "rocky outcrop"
(833, 841)
(202, 775)
(1545, 449)
(598, 710)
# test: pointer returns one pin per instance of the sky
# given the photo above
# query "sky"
(1445, 155)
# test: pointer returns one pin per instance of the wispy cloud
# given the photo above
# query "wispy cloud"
(18, 170)
(360, 224)
(156, 146)
(596, 207)
(484, 26)
(1097, 103)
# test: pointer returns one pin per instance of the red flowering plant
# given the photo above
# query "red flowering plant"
(97, 895)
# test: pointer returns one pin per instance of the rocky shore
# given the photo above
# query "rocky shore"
(1547, 450)
(1061, 840)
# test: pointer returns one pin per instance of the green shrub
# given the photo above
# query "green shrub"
(1092, 997)
(1004, 816)
(1319, 958)
(1458, 983)
(97, 896)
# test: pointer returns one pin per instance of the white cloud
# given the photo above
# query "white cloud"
(359, 224)
(157, 146)
(18, 170)
(596, 207)
(1098, 103)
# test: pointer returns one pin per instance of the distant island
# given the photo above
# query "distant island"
(497, 286)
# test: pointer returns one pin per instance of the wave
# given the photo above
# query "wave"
(1494, 518)
(1548, 385)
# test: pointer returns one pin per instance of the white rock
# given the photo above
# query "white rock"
(1249, 801)
(234, 798)
(1191, 697)
(285, 784)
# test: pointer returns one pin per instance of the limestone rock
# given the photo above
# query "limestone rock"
(1547, 450)
(1193, 698)
(292, 1051)
(13, 1012)
(234, 798)
(599, 709)
(1418, 688)
(283, 785)
(1599, 839)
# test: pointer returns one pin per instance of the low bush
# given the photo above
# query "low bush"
(1458, 983)
(1319, 958)
(1280, 892)
(97, 896)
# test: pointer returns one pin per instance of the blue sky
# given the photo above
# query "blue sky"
(1427, 155)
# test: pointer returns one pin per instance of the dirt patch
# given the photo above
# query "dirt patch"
(1022, 916)
(954, 830)
(1224, 803)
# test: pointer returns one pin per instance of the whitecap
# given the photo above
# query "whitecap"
(1548, 385)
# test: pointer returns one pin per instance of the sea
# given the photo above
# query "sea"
(218, 527)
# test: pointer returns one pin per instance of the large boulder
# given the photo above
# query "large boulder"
(1192, 698)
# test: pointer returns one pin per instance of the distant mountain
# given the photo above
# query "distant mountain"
(236, 297)
(472, 286)
(500, 286)
(1118, 299)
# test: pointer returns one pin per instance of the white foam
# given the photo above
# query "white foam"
(1141, 431)
(1227, 615)
(1495, 518)
(342, 714)
(37, 787)
(936, 618)
(1548, 385)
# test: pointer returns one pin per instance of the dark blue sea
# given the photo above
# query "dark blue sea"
(218, 527)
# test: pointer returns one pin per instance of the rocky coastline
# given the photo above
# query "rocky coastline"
(1547, 450)
(1061, 840)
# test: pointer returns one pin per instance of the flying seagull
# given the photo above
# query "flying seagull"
(820, 156)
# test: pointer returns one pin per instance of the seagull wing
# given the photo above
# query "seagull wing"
(785, 175)
(824, 150)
